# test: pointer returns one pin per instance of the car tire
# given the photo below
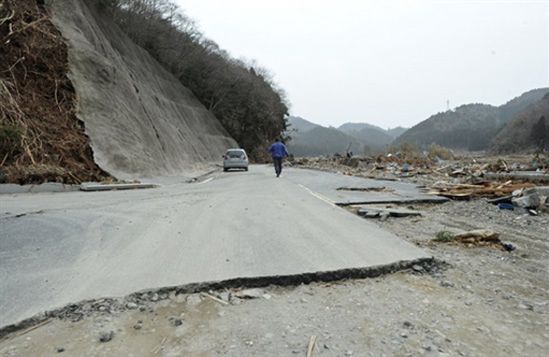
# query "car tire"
(245, 169)
(225, 170)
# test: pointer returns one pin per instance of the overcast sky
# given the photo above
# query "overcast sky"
(387, 63)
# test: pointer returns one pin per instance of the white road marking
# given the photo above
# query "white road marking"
(205, 181)
(318, 195)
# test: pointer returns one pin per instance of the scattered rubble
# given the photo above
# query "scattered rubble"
(506, 181)
(376, 212)
(366, 189)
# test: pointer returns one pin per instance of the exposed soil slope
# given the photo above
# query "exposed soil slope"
(40, 136)
(141, 121)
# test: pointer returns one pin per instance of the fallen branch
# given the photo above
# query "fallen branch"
(311, 348)
(222, 302)
(8, 18)
(23, 29)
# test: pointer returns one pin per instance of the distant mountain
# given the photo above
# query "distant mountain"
(310, 139)
(396, 132)
(300, 125)
(374, 137)
(352, 127)
(323, 141)
(520, 103)
(468, 127)
(526, 129)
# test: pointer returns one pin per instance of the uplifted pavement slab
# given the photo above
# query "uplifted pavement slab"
(93, 187)
(244, 227)
(350, 190)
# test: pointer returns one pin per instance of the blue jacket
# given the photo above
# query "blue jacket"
(278, 150)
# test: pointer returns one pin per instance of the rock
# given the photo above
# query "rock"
(194, 299)
(225, 296)
(176, 321)
(534, 197)
(59, 349)
(250, 293)
(131, 305)
(526, 306)
(407, 324)
(154, 297)
(446, 284)
(106, 336)
(418, 268)
(138, 326)
(348, 353)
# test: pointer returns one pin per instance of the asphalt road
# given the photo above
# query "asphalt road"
(60, 248)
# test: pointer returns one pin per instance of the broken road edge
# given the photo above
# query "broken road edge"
(74, 310)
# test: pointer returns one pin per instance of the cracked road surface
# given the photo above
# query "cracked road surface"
(61, 248)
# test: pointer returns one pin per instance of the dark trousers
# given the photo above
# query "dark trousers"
(278, 165)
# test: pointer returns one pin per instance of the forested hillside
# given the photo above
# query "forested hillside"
(324, 141)
(529, 129)
(310, 139)
(469, 127)
(374, 137)
(241, 95)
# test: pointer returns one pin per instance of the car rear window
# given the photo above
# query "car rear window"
(235, 154)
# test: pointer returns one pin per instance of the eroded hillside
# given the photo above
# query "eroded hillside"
(41, 137)
(140, 119)
(81, 102)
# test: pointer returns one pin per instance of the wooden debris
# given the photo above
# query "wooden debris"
(312, 344)
(210, 296)
(467, 191)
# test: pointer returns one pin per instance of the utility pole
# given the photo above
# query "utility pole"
(448, 104)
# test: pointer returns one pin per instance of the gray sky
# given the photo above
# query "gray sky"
(387, 63)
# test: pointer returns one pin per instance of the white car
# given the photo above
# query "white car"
(235, 159)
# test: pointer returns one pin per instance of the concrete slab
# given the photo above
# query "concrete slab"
(93, 187)
(392, 212)
(240, 225)
(329, 186)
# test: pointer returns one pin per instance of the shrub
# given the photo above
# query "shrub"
(444, 236)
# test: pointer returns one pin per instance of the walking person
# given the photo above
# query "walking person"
(278, 152)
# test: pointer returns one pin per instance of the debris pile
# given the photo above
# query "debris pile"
(485, 189)
(474, 238)
(511, 182)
